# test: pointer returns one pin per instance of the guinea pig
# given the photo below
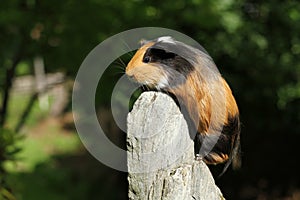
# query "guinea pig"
(190, 75)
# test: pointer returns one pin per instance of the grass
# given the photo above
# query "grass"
(43, 135)
(53, 163)
(44, 138)
(40, 143)
(17, 105)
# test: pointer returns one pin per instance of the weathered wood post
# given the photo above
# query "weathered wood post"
(41, 82)
(161, 154)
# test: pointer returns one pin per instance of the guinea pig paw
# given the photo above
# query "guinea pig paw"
(198, 157)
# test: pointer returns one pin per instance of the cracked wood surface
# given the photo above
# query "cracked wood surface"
(160, 154)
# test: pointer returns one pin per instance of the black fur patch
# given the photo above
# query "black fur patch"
(176, 67)
(183, 50)
(228, 143)
(225, 143)
(169, 59)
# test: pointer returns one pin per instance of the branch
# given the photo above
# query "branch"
(9, 75)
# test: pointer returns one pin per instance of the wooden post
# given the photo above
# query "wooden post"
(160, 154)
(41, 82)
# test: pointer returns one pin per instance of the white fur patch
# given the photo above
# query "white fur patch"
(166, 39)
(163, 82)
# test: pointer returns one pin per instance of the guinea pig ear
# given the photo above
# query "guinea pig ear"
(143, 42)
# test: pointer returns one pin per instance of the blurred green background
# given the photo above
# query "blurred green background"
(255, 44)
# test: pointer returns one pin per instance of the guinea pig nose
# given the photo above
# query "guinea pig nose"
(129, 72)
(130, 75)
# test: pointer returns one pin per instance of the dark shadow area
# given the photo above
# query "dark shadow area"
(269, 170)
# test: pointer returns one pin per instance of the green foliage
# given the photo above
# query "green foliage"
(8, 150)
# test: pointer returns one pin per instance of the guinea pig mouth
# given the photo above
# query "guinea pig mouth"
(134, 78)
(148, 83)
(131, 77)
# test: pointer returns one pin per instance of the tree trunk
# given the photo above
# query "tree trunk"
(161, 160)
(9, 75)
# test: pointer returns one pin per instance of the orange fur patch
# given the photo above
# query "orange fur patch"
(231, 106)
(145, 73)
(215, 158)
(137, 59)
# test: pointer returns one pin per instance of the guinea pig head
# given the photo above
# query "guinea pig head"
(156, 65)
(145, 69)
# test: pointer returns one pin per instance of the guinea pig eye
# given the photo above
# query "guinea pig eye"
(146, 59)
